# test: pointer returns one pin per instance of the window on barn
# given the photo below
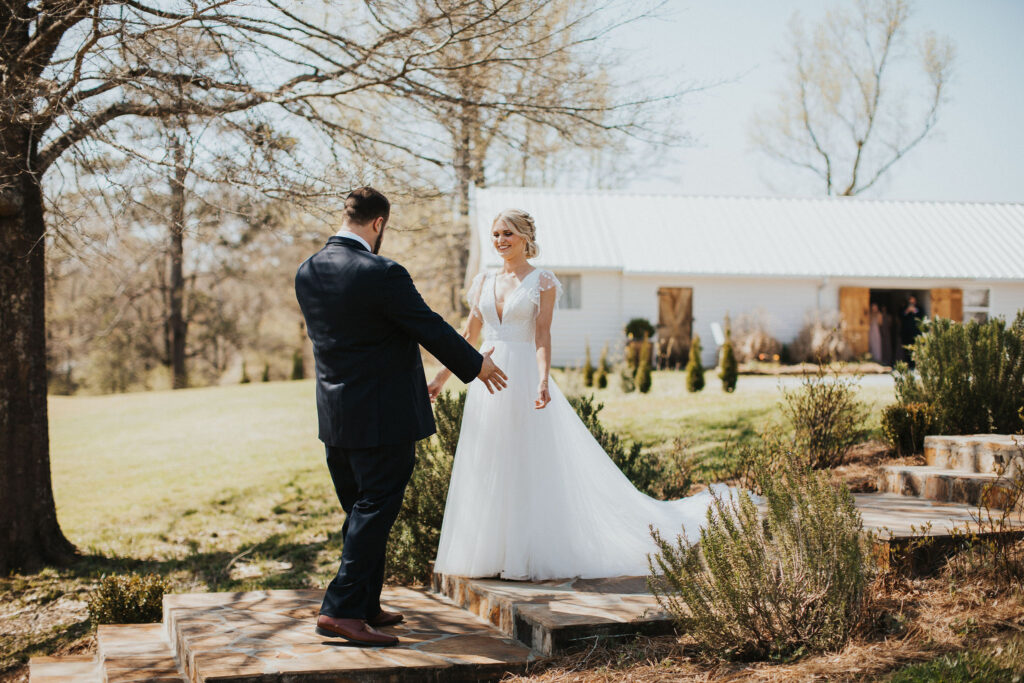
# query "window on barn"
(976, 305)
(571, 291)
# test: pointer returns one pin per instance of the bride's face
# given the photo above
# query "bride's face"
(507, 242)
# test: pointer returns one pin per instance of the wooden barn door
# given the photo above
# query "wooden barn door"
(948, 303)
(675, 325)
(855, 308)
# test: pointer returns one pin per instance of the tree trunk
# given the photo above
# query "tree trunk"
(463, 232)
(29, 533)
(178, 325)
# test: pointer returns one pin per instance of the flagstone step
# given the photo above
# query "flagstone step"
(270, 636)
(137, 652)
(943, 484)
(67, 669)
(555, 616)
(983, 453)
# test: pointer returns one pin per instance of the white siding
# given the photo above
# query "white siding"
(611, 299)
(1005, 298)
(597, 320)
(783, 303)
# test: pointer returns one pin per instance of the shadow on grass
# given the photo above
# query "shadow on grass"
(49, 632)
(212, 569)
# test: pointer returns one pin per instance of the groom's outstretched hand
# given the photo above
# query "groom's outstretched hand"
(491, 375)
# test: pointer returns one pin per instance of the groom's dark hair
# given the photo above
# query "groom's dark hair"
(365, 205)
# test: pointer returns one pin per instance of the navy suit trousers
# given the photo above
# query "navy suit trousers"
(370, 483)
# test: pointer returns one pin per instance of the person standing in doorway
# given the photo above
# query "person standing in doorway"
(875, 334)
(910, 326)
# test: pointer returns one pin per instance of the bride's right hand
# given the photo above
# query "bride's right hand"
(434, 388)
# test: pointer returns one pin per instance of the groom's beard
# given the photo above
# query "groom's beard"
(380, 238)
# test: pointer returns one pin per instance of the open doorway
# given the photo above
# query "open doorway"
(893, 323)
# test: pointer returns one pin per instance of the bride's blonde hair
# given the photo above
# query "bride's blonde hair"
(522, 224)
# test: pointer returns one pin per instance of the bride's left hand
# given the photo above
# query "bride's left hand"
(543, 397)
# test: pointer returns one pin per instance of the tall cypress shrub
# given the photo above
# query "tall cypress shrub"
(643, 373)
(603, 368)
(694, 369)
(588, 369)
(728, 368)
(298, 367)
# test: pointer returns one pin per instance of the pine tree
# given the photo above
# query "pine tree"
(694, 369)
(728, 368)
(588, 370)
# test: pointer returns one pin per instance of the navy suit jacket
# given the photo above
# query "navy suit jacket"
(367, 321)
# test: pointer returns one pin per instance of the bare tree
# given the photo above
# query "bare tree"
(554, 100)
(844, 115)
(77, 75)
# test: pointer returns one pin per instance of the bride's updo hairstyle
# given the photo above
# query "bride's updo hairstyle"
(521, 223)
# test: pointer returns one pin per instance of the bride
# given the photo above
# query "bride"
(532, 495)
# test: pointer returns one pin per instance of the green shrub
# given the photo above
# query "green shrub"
(826, 416)
(777, 585)
(906, 425)
(639, 329)
(245, 375)
(417, 531)
(694, 369)
(664, 478)
(588, 370)
(971, 374)
(298, 366)
(266, 373)
(643, 373)
(728, 368)
(128, 599)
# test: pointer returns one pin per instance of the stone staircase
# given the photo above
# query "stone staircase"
(137, 652)
(973, 470)
(264, 636)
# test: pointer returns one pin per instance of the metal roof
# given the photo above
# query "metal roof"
(762, 236)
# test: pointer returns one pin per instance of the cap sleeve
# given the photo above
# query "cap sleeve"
(473, 294)
(546, 280)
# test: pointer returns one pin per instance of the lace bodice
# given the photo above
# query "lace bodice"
(519, 315)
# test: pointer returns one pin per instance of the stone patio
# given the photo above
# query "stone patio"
(269, 636)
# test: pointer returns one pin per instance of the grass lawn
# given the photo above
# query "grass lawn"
(142, 474)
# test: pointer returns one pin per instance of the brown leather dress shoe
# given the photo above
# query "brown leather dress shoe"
(353, 630)
(385, 619)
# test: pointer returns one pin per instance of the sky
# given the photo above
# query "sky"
(976, 152)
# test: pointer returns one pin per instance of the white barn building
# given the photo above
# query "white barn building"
(685, 262)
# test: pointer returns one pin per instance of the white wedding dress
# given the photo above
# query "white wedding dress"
(533, 495)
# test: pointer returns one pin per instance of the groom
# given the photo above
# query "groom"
(367, 322)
